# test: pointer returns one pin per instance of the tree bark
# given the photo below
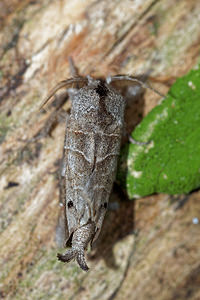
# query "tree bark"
(148, 248)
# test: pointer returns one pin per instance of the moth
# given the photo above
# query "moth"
(92, 145)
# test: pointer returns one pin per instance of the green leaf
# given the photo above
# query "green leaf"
(170, 163)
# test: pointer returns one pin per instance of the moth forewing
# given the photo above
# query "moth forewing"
(91, 149)
(92, 146)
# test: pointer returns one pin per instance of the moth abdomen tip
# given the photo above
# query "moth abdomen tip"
(70, 254)
(61, 257)
(81, 261)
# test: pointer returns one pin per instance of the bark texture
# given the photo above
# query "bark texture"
(148, 248)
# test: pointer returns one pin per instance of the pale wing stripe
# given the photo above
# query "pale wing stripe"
(110, 154)
(92, 133)
(78, 151)
(96, 187)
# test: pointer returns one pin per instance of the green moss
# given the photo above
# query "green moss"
(46, 264)
(170, 163)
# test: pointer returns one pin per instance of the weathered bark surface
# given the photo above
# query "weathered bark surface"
(148, 248)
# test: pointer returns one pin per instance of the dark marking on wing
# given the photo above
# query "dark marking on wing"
(104, 117)
(102, 90)
(70, 204)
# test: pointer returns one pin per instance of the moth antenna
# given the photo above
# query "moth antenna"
(68, 256)
(63, 84)
(80, 258)
(133, 79)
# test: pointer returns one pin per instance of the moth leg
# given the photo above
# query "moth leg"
(56, 117)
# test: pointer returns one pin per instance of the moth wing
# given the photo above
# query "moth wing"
(96, 196)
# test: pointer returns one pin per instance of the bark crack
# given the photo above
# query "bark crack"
(130, 28)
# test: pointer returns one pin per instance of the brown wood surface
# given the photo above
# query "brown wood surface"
(148, 248)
